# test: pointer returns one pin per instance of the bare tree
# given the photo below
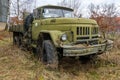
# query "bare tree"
(74, 4)
(17, 10)
(17, 7)
(105, 15)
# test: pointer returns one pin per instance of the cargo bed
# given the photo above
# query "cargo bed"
(16, 28)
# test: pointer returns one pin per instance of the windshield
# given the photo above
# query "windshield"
(55, 13)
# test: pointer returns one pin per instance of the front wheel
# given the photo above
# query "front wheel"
(49, 54)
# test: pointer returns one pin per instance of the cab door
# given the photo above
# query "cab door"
(36, 26)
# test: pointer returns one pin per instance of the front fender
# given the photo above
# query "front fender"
(54, 35)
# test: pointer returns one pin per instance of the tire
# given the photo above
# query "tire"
(20, 40)
(17, 39)
(48, 54)
(39, 48)
(14, 39)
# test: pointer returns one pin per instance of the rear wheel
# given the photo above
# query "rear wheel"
(17, 39)
(14, 39)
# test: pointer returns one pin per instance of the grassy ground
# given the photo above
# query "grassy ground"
(16, 64)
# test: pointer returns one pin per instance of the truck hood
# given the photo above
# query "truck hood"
(67, 21)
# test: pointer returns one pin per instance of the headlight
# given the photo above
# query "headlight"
(64, 37)
(99, 36)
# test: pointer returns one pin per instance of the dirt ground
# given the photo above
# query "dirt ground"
(16, 64)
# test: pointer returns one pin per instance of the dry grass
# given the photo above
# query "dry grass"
(16, 64)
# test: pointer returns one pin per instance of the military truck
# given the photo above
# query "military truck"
(55, 33)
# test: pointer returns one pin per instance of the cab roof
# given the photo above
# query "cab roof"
(55, 7)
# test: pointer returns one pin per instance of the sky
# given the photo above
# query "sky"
(100, 1)
(84, 3)
(45, 2)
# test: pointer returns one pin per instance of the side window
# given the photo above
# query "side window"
(39, 13)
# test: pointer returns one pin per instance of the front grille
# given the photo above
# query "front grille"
(83, 30)
(86, 30)
(87, 34)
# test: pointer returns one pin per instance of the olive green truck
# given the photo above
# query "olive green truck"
(55, 33)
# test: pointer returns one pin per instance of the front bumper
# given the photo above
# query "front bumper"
(77, 50)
